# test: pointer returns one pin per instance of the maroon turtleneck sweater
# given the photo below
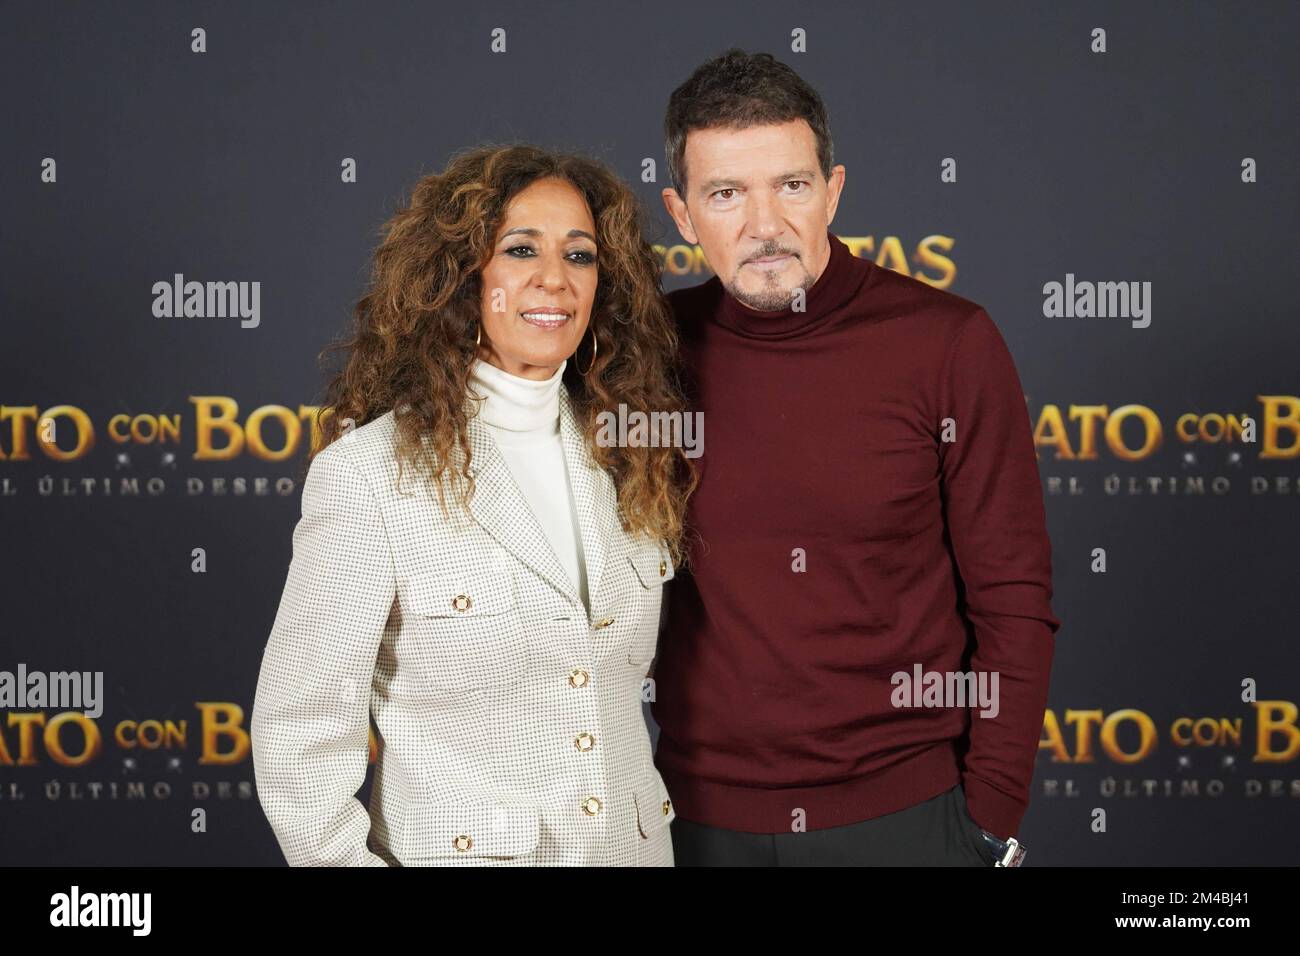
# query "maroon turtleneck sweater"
(825, 438)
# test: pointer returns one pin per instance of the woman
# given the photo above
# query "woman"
(471, 566)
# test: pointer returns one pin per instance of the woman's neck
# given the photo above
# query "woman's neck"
(517, 404)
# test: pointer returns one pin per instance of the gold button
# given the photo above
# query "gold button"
(663, 568)
(578, 677)
(667, 804)
(584, 741)
(591, 806)
(604, 622)
(462, 843)
(461, 602)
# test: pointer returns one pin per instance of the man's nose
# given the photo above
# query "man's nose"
(765, 219)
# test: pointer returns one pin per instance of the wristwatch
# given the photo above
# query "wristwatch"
(1008, 852)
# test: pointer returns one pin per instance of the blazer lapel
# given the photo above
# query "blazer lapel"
(502, 510)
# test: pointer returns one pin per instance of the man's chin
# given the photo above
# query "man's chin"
(769, 300)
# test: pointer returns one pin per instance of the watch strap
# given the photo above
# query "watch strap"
(1008, 852)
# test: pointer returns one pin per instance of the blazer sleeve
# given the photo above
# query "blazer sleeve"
(996, 522)
(310, 725)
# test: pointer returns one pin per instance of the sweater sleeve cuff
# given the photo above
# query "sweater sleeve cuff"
(991, 808)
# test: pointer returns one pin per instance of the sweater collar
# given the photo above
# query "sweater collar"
(838, 281)
(517, 404)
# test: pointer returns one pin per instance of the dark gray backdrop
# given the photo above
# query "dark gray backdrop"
(225, 165)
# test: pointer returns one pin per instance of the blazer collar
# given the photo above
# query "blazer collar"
(502, 510)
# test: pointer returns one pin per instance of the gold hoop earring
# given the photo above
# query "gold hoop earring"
(595, 345)
(478, 339)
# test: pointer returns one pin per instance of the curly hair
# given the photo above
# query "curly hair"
(413, 345)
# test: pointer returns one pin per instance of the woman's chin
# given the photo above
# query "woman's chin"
(538, 364)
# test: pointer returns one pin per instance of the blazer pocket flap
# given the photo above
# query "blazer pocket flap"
(456, 831)
(654, 808)
(461, 592)
(654, 566)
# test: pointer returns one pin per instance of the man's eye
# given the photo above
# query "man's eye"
(796, 182)
(719, 193)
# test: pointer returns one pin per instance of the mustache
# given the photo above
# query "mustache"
(769, 252)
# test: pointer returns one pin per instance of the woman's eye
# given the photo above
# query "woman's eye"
(527, 252)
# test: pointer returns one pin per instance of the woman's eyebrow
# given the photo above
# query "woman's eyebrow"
(531, 231)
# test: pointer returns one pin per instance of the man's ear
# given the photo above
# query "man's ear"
(834, 187)
(676, 207)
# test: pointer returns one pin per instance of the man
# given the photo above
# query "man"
(869, 519)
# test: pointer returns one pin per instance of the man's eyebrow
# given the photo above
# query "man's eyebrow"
(775, 181)
(531, 231)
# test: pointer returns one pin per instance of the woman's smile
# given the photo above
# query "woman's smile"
(546, 318)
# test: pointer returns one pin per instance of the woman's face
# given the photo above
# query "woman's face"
(539, 286)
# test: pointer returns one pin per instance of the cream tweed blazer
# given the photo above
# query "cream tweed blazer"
(509, 718)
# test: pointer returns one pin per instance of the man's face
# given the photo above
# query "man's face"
(757, 204)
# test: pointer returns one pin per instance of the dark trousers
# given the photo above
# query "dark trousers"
(936, 832)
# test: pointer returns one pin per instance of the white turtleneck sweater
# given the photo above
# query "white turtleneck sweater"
(523, 416)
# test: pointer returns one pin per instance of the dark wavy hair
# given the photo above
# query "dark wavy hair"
(738, 90)
(413, 344)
